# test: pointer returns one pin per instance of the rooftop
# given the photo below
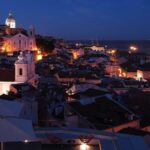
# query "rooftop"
(101, 112)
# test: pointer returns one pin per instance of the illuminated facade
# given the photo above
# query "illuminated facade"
(77, 53)
(113, 69)
(97, 48)
(16, 39)
(20, 42)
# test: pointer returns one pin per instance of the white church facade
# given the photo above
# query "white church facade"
(20, 42)
(18, 39)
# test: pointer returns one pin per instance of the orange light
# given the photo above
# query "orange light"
(75, 54)
(133, 49)
(39, 52)
(35, 48)
(39, 57)
(124, 74)
(139, 75)
(113, 51)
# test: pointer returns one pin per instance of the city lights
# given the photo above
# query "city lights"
(84, 146)
(112, 51)
(39, 55)
(133, 49)
(26, 141)
(75, 79)
(3, 49)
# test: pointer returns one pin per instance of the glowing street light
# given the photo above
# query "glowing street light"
(26, 141)
(133, 49)
(83, 146)
(3, 48)
(39, 55)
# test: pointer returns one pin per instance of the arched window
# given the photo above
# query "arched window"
(20, 72)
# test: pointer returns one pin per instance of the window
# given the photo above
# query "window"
(20, 72)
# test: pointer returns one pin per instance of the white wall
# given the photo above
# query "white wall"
(5, 87)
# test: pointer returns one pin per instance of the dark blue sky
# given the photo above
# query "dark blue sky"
(82, 19)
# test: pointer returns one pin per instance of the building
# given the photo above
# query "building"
(24, 67)
(112, 69)
(106, 113)
(144, 71)
(128, 70)
(22, 71)
(77, 53)
(87, 139)
(97, 48)
(16, 39)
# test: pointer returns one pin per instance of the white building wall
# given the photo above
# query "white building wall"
(26, 64)
(24, 76)
(11, 24)
(5, 87)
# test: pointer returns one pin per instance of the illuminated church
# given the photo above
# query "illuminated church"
(13, 39)
(16, 39)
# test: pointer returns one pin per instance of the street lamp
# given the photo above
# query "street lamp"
(133, 49)
(83, 146)
(26, 141)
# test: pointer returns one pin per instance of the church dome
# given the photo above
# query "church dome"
(10, 21)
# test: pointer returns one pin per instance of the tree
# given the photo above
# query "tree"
(45, 44)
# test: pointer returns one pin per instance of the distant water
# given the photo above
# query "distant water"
(143, 46)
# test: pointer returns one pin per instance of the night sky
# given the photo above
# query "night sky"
(82, 19)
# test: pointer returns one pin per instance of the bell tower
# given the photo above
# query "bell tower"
(21, 69)
(24, 67)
